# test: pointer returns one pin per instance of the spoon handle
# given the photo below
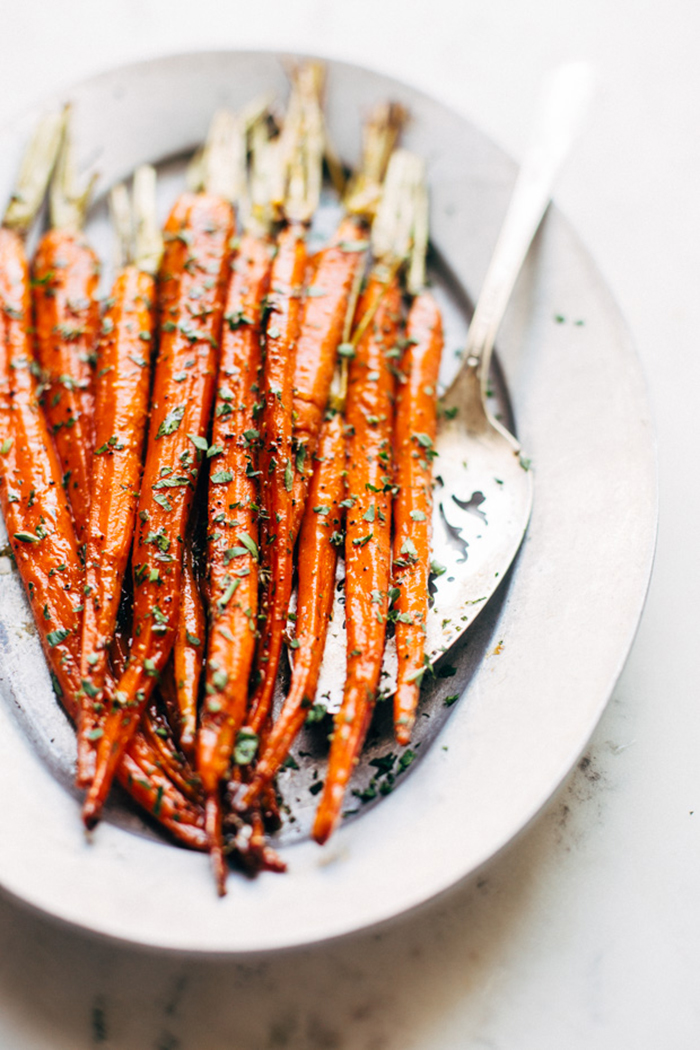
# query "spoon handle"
(567, 92)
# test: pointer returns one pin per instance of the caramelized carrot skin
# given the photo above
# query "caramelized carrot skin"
(121, 402)
(322, 324)
(65, 277)
(276, 458)
(414, 437)
(317, 558)
(187, 653)
(34, 503)
(369, 418)
(233, 518)
(193, 285)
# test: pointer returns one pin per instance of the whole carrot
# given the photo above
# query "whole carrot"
(122, 388)
(369, 417)
(195, 266)
(233, 514)
(316, 563)
(65, 277)
(276, 458)
(329, 300)
(414, 437)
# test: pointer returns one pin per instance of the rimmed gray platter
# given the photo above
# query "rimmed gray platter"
(536, 669)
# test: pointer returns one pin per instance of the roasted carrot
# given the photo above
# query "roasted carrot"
(316, 563)
(65, 277)
(233, 526)
(369, 417)
(276, 458)
(122, 387)
(195, 267)
(414, 437)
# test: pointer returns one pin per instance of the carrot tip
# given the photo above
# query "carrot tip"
(91, 815)
(323, 827)
(402, 731)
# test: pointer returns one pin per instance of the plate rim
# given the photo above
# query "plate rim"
(644, 572)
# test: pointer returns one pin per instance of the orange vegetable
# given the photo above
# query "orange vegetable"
(317, 557)
(36, 509)
(369, 417)
(276, 462)
(233, 529)
(42, 537)
(414, 437)
(123, 380)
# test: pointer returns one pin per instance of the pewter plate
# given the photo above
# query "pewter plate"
(534, 672)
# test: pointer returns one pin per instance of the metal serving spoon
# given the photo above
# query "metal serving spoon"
(484, 485)
(484, 482)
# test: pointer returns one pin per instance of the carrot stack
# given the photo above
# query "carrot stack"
(36, 509)
(414, 441)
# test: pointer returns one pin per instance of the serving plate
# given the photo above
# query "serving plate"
(534, 672)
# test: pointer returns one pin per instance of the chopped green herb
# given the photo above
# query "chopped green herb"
(171, 422)
(56, 637)
(199, 442)
(246, 746)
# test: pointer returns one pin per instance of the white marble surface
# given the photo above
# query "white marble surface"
(586, 933)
